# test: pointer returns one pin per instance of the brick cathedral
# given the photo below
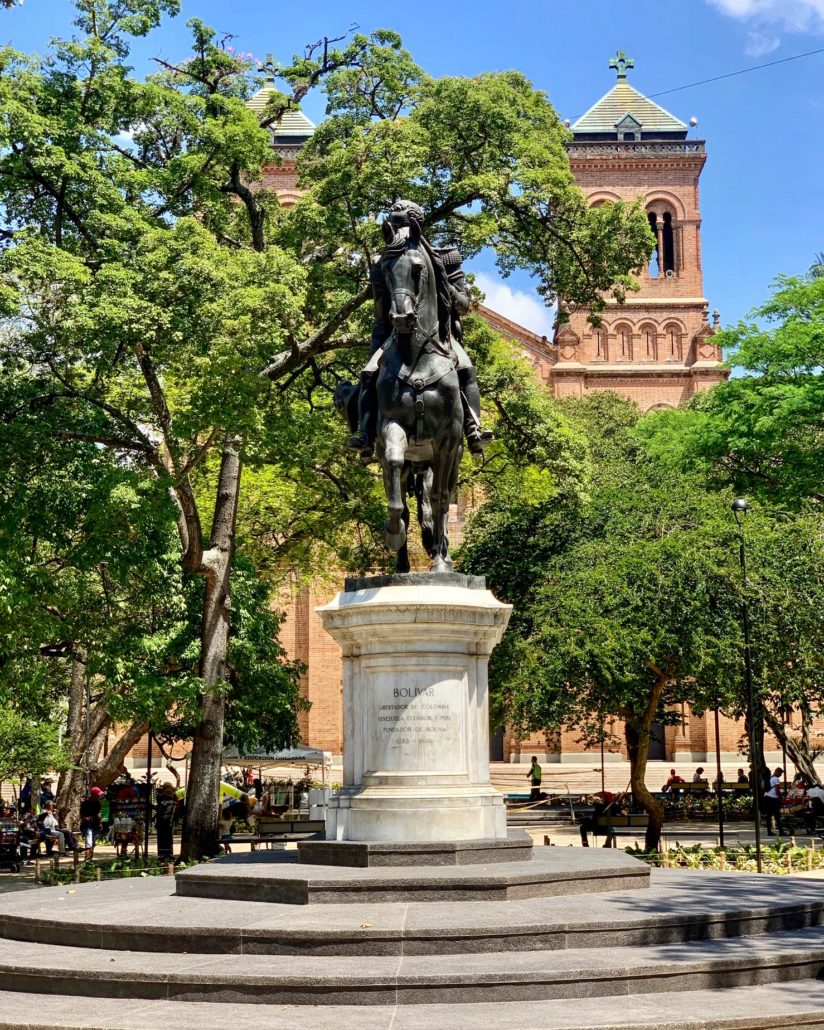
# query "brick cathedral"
(656, 349)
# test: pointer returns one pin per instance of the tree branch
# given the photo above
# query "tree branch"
(253, 209)
(109, 441)
(318, 343)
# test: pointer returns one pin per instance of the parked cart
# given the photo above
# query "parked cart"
(9, 846)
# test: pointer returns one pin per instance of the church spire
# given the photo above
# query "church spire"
(620, 63)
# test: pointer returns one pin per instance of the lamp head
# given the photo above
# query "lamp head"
(739, 507)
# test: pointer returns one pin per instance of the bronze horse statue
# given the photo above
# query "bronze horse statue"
(420, 411)
(421, 417)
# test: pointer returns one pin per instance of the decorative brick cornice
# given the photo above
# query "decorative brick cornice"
(624, 150)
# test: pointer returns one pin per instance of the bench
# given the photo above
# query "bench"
(278, 831)
(620, 825)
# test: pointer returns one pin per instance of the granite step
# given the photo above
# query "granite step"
(798, 1005)
(277, 877)
(146, 915)
(505, 976)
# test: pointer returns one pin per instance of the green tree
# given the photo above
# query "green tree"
(629, 603)
(98, 631)
(760, 431)
(162, 305)
(26, 747)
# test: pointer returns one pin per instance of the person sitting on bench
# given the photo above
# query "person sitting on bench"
(605, 805)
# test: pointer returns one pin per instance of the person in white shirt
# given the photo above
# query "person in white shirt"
(772, 803)
(52, 828)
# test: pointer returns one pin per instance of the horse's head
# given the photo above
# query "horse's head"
(409, 278)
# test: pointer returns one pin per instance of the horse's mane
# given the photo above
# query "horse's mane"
(397, 246)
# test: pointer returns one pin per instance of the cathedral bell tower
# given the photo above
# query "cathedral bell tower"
(657, 348)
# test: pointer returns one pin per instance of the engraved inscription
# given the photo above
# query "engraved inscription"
(415, 715)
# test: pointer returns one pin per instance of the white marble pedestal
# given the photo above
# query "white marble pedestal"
(415, 701)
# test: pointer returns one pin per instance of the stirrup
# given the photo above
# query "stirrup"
(477, 440)
(361, 443)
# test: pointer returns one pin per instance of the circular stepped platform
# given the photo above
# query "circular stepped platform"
(278, 876)
(145, 915)
(710, 950)
(794, 1006)
(415, 979)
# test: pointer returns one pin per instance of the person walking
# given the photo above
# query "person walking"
(25, 798)
(534, 777)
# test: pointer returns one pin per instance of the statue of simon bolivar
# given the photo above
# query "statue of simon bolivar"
(454, 301)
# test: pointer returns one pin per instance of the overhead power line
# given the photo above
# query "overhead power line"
(742, 71)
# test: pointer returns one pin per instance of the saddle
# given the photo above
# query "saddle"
(430, 368)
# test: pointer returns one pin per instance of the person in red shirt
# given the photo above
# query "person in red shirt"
(671, 786)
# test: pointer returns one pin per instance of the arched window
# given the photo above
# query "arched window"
(600, 342)
(672, 343)
(664, 260)
(649, 343)
(653, 268)
(623, 342)
(669, 244)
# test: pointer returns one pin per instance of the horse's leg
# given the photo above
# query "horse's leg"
(423, 493)
(393, 460)
(444, 478)
(402, 562)
(452, 484)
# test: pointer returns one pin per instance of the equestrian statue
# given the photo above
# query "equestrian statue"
(418, 395)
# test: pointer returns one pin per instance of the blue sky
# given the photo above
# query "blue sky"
(762, 190)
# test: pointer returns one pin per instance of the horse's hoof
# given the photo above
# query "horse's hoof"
(394, 538)
(439, 565)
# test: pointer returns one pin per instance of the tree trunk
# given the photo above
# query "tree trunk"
(86, 744)
(798, 753)
(67, 798)
(106, 772)
(200, 824)
(637, 737)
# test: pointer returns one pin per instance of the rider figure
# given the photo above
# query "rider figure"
(447, 266)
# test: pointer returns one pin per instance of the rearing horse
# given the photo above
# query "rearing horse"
(420, 421)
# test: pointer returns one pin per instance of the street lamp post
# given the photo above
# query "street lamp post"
(719, 781)
(739, 509)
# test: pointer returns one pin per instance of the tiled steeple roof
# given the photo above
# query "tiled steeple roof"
(624, 99)
(624, 109)
(292, 124)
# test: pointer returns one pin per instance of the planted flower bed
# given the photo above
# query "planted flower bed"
(778, 857)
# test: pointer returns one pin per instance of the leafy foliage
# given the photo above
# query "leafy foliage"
(166, 323)
(26, 747)
(761, 430)
(628, 603)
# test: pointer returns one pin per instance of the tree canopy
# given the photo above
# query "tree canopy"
(165, 316)
(761, 431)
(628, 602)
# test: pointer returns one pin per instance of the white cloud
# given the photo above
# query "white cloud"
(527, 309)
(789, 15)
(760, 43)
